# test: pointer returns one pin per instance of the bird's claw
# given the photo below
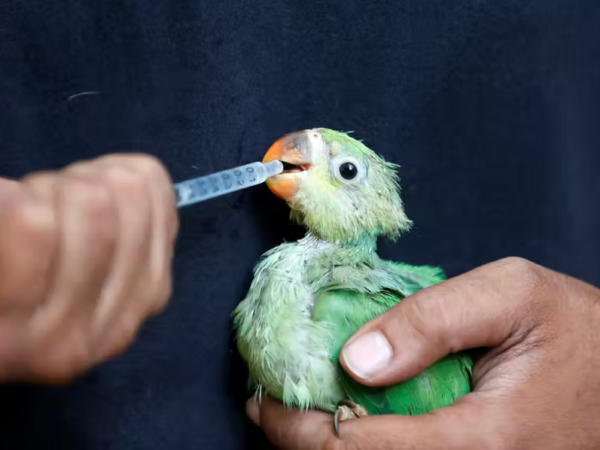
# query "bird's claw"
(347, 410)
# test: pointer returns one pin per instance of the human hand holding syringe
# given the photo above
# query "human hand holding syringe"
(85, 258)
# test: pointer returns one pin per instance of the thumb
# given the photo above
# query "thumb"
(486, 307)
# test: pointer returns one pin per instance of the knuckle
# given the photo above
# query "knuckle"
(43, 179)
(127, 327)
(154, 301)
(150, 167)
(124, 333)
(526, 276)
(78, 358)
(433, 315)
(158, 284)
(520, 268)
(34, 219)
(65, 362)
(125, 181)
(429, 315)
(421, 308)
(82, 168)
(89, 196)
(164, 293)
(162, 279)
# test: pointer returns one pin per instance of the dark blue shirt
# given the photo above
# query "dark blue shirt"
(492, 108)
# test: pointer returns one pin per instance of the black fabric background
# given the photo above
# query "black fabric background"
(491, 107)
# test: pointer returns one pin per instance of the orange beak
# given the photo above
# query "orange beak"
(294, 149)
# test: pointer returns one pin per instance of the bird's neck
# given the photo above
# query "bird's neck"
(362, 248)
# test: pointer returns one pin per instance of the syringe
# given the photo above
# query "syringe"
(221, 183)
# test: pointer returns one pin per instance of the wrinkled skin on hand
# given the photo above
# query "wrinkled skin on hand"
(85, 258)
(536, 386)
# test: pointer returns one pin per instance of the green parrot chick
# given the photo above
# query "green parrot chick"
(346, 191)
(307, 298)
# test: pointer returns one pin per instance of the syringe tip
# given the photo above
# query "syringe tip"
(273, 167)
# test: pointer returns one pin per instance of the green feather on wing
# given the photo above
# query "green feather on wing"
(347, 310)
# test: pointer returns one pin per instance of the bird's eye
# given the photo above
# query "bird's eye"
(348, 171)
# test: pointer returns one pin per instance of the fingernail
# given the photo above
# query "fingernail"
(368, 355)
(253, 411)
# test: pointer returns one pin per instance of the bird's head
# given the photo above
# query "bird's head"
(336, 186)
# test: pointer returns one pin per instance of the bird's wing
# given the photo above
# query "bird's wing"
(346, 310)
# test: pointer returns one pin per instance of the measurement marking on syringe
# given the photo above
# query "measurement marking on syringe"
(204, 188)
